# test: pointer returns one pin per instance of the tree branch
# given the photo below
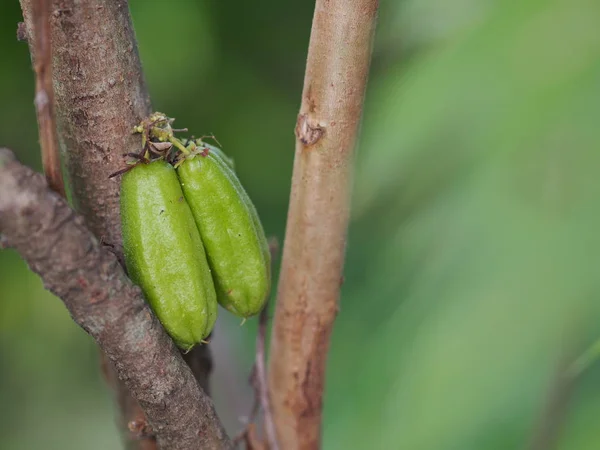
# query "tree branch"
(101, 299)
(262, 380)
(100, 95)
(550, 423)
(259, 364)
(44, 97)
(259, 380)
(336, 75)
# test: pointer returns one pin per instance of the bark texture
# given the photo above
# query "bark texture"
(99, 94)
(311, 274)
(44, 97)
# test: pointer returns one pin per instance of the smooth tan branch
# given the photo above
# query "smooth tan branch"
(336, 75)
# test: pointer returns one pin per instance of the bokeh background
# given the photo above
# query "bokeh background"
(473, 256)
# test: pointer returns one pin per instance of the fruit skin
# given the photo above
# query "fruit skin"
(164, 252)
(219, 153)
(216, 151)
(235, 242)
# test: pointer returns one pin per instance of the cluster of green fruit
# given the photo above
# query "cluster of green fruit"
(191, 235)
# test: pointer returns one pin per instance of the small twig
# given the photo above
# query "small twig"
(213, 137)
(253, 442)
(44, 95)
(546, 433)
(258, 380)
(249, 437)
(261, 372)
(589, 356)
(249, 420)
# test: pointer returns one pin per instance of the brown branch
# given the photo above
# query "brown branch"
(55, 243)
(307, 302)
(261, 372)
(99, 95)
(262, 380)
(44, 96)
(259, 379)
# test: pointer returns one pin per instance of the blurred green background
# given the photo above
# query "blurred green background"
(473, 257)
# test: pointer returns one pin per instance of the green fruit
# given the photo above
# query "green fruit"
(235, 242)
(216, 151)
(164, 252)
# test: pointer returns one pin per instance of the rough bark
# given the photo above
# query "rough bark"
(44, 97)
(78, 269)
(100, 95)
(311, 273)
